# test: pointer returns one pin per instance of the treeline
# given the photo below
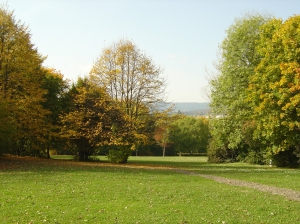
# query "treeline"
(255, 95)
(41, 111)
(115, 110)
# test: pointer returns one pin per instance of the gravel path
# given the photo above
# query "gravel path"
(288, 193)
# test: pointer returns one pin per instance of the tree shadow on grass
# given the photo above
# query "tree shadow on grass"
(31, 164)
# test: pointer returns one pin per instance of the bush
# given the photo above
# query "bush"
(286, 158)
(118, 156)
(53, 152)
(255, 157)
(297, 153)
(221, 155)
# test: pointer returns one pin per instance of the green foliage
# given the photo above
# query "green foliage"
(256, 96)
(254, 99)
(221, 154)
(118, 155)
(255, 157)
(190, 134)
(55, 97)
(55, 102)
(274, 90)
(239, 58)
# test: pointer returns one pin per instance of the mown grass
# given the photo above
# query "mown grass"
(58, 191)
(264, 174)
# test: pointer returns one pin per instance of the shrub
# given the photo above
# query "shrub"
(221, 155)
(254, 157)
(118, 156)
(53, 152)
(297, 153)
(287, 158)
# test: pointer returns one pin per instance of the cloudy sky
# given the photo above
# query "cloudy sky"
(181, 36)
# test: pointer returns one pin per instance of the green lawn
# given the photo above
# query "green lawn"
(278, 177)
(59, 191)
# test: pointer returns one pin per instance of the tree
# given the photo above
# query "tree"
(6, 128)
(56, 103)
(274, 89)
(230, 110)
(133, 81)
(163, 126)
(94, 121)
(20, 82)
(190, 134)
(161, 137)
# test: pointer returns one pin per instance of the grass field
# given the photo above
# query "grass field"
(146, 190)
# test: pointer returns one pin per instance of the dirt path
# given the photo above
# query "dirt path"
(288, 193)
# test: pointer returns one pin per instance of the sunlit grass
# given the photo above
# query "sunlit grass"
(264, 174)
(59, 191)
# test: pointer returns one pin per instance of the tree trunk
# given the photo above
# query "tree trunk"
(48, 151)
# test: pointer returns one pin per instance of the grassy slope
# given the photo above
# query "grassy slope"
(71, 192)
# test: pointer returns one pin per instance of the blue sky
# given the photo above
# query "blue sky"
(181, 36)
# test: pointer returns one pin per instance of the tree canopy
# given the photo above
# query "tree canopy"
(276, 86)
(21, 76)
(255, 99)
(117, 106)
(190, 135)
(132, 80)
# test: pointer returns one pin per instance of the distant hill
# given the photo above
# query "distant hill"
(191, 108)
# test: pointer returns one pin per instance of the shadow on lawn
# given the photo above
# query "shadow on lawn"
(204, 167)
(199, 165)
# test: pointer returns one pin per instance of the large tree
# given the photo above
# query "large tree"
(133, 81)
(21, 77)
(94, 120)
(275, 87)
(230, 111)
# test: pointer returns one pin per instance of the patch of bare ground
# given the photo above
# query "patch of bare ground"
(288, 193)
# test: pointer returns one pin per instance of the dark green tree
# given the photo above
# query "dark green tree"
(56, 102)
